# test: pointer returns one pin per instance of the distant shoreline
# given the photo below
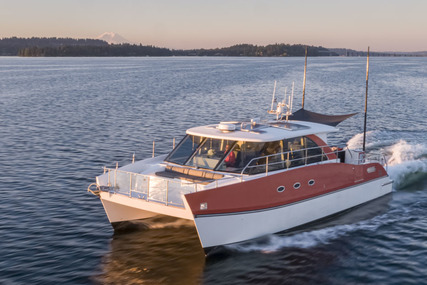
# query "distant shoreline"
(67, 47)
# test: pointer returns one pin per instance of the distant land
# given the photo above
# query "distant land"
(110, 44)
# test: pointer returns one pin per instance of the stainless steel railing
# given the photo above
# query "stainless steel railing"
(288, 159)
(149, 188)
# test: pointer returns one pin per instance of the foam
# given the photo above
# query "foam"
(407, 163)
(309, 239)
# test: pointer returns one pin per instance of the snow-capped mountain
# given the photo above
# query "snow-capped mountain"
(112, 38)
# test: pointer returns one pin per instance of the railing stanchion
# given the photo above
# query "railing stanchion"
(266, 166)
(115, 179)
(148, 188)
(130, 185)
(167, 191)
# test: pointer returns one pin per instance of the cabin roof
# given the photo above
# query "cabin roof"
(261, 132)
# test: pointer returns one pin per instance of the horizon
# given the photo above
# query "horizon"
(385, 26)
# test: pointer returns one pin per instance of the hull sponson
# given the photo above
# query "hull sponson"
(262, 193)
(121, 208)
(221, 229)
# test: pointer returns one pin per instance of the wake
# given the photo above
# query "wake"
(406, 165)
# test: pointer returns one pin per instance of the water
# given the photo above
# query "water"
(63, 119)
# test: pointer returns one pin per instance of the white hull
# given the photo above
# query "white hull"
(224, 229)
(121, 208)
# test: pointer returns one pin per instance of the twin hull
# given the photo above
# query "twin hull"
(268, 204)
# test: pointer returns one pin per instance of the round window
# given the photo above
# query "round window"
(297, 185)
(280, 188)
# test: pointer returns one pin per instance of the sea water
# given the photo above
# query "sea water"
(63, 119)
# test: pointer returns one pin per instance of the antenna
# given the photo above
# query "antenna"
(279, 112)
(292, 95)
(274, 93)
(366, 101)
(305, 72)
(290, 102)
(286, 91)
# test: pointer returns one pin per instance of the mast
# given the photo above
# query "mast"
(366, 101)
(305, 72)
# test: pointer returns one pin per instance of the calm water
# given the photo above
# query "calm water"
(63, 119)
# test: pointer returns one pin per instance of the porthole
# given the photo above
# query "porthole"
(311, 182)
(297, 185)
(280, 188)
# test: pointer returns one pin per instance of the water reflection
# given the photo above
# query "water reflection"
(168, 252)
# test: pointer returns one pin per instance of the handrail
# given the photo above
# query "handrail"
(286, 161)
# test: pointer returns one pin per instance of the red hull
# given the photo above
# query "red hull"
(262, 193)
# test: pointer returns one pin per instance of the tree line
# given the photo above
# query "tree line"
(90, 47)
(12, 46)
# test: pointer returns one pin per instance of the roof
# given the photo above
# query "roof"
(265, 132)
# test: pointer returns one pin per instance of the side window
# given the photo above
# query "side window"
(297, 153)
(250, 151)
(314, 152)
(303, 150)
(232, 161)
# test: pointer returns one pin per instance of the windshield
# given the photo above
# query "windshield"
(185, 149)
(201, 152)
(210, 153)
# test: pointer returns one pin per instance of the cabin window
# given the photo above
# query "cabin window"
(314, 153)
(185, 149)
(282, 154)
(304, 151)
(249, 157)
(241, 154)
(211, 152)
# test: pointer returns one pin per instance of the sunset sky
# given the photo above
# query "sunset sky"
(385, 25)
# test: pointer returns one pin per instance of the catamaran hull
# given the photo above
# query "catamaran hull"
(222, 229)
(120, 208)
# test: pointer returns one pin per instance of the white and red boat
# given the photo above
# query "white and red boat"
(242, 180)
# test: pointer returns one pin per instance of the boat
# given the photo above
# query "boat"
(241, 180)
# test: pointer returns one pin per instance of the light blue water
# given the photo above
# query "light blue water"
(63, 119)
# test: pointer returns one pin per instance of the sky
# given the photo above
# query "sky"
(384, 25)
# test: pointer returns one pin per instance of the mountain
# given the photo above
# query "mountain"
(113, 38)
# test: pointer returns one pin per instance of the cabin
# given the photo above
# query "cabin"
(247, 148)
